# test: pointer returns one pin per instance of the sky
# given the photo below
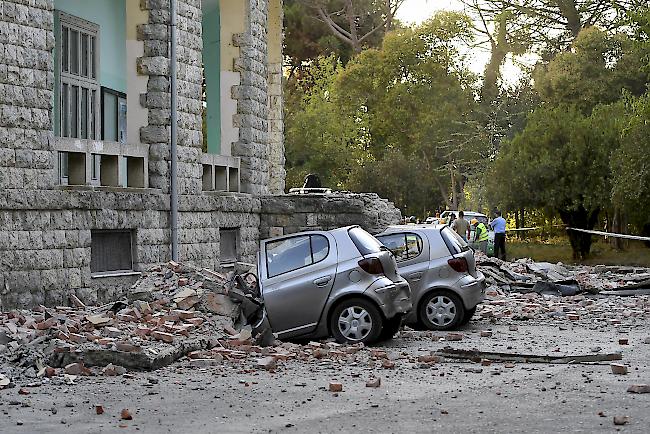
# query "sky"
(417, 11)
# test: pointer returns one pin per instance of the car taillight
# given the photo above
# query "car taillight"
(371, 266)
(459, 265)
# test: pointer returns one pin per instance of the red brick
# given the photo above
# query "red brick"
(335, 386)
(618, 368)
(639, 388)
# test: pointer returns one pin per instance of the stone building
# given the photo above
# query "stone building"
(85, 142)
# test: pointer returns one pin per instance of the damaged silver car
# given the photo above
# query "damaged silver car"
(440, 267)
(341, 283)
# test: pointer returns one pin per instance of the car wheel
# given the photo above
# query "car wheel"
(355, 321)
(468, 316)
(441, 310)
(391, 326)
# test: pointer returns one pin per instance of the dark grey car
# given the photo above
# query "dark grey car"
(341, 283)
(440, 267)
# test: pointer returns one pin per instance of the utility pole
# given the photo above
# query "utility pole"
(173, 175)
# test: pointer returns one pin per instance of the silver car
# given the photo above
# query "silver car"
(440, 267)
(341, 283)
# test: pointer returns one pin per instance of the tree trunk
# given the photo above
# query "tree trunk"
(580, 219)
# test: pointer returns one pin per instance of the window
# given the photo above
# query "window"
(365, 242)
(291, 254)
(113, 115)
(404, 246)
(110, 251)
(228, 245)
(72, 168)
(454, 242)
(78, 87)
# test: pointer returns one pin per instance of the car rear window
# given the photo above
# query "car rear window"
(365, 243)
(404, 246)
(454, 242)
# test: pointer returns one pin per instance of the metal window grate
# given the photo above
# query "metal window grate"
(111, 251)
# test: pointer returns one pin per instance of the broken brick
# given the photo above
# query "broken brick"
(373, 382)
(267, 363)
(623, 341)
(387, 364)
(621, 420)
(162, 336)
(454, 337)
(99, 409)
(126, 414)
(618, 368)
(76, 369)
(335, 386)
(639, 388)
(486, 333)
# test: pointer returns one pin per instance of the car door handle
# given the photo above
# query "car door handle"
(414, 276)
(322, 281)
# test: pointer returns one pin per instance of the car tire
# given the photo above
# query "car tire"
(468, 316)
(391, 326)
(356, 320)
(441, 310)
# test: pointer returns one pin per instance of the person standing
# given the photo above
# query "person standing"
(461, 226)
(480, 235)
(498, 225)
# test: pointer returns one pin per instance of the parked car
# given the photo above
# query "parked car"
(432, 220)
(445, 217)
(341, 283)
(440, 267)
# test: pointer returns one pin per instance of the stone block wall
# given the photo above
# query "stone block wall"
(252, 101)
(45, 239)
(288, 214)
(26, 94)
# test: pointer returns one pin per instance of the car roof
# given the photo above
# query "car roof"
(331, 231)
(407, 228)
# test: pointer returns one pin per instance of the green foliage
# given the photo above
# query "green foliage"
(597, 70)
(322, 136)
(631, 164)
(401, 114)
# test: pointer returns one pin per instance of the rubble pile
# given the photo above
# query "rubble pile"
(606, 311)
(525, 275)
(172, 310)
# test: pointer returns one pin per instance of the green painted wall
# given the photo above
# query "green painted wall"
(110, 15)
(212, 70)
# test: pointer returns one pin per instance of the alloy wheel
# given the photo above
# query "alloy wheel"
(441, 310)
(355, 323)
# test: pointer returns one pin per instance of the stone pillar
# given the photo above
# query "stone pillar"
(252, 100)
(277, 174)
(27, 160)
(155, 64)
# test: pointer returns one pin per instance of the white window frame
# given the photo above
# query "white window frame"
(68, 80)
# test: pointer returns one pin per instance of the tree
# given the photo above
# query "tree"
(597, 70)
(419, 100)
(322, 137)
(559, 163)
(355, 22)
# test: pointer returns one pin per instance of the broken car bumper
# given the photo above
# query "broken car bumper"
(393, 298)
(472, 290)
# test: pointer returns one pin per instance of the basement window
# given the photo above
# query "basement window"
(228, 245)
(111, 251)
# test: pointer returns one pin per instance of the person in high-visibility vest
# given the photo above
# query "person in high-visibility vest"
(480, 235)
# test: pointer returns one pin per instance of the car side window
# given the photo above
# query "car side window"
(291, 254)
(404, 246)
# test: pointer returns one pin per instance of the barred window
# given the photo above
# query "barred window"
(79, 86)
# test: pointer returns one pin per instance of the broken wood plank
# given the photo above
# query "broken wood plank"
(477, 356)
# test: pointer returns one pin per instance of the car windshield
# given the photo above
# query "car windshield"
(454, 242)
(365, 242)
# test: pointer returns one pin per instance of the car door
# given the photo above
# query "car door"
(296, 277)
(411, 252)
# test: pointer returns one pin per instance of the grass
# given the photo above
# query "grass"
(559, 250)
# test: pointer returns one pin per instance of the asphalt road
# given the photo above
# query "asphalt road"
(443, 397)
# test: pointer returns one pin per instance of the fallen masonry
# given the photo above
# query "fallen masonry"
(173, 310)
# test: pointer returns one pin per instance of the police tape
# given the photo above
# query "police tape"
(610, 234)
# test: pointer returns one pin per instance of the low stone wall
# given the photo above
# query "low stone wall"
(295, 213)
(45, 239)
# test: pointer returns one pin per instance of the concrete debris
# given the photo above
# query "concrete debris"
(374, 382)
(171, 310)
(639, 388)
(480, 356)
(621, 420)
(527, 276)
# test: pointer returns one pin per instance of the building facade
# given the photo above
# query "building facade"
(85, 140)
